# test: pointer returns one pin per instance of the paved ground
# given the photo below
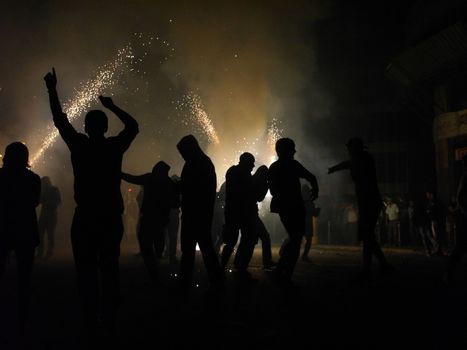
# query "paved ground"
(328, 310)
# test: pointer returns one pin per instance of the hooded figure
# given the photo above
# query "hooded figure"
(198, 190)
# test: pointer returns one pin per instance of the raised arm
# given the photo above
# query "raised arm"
(130, 131)
(135, 179)
(339, 167)
(67, 131)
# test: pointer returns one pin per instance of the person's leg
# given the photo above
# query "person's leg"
(210, 258)
(41, 227)
(109, 251)
(24, 263)
(265, 243)
(51, 236)
(230, 237)
(173, 238)
(159, 240)
(294, 223)
(248, 240)
(86, 264)
(146, 242)
(188, 245)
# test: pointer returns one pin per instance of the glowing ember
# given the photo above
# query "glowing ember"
(88, 93)
(201, 117)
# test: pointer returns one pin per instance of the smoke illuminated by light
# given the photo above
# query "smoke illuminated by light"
(88, 92)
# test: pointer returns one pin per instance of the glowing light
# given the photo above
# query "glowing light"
(88, 92)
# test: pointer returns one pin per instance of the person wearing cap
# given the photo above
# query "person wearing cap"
(160, 195)
(240, 214)
(284, 184)
(370, 204)
(20, 191)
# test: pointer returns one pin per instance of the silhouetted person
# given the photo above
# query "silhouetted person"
(50, 200)
(284, 184)
(198, 189)
(309, 213)
(362, 170)
(174, 224)
(97, 227)
(218, 224)
(240, 212)
(461, 233)
(436, 221)
(159, 197)
(260, 188)
(20, 191)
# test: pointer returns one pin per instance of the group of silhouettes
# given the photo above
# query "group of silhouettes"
(97, 227)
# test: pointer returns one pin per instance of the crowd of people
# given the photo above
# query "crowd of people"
(97, 227)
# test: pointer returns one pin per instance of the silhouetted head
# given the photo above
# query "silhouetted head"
(262, 172)
(189, 148)
(355, 146)
(430, 195)
(285, 148)
(247, 161)
(95, 123)
(161, 169)
(16, 156)
(45, 181)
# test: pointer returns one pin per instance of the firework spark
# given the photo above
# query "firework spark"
(193, 101)
(88, 92)
(274, 133)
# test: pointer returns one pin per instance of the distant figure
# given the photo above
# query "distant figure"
(20, 191)
(198, 189)
(50, 200)
(284, 184)
(218, 223)
(436, 221)
(130, 211)
(362, 169)
(461, 239)
(174, 224)
(310, 212)
(351, 222)
(160, 195)
(260, 187)
(392, 216)
(240, 214)
(97, 227)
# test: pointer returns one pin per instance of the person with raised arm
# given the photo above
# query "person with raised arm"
(97, 227)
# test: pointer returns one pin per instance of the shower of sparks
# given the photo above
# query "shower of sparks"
(193, 102)
(88, 92)
(274, 133)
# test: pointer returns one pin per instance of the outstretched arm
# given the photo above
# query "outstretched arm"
(339, 167)
(134, 179)
(130, 131)
(60, 119)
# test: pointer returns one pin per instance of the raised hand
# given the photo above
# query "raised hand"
(51, 79)
(106, 102)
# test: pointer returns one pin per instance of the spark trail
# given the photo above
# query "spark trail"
(89, 91)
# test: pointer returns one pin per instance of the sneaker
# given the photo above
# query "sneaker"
(270, 267)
